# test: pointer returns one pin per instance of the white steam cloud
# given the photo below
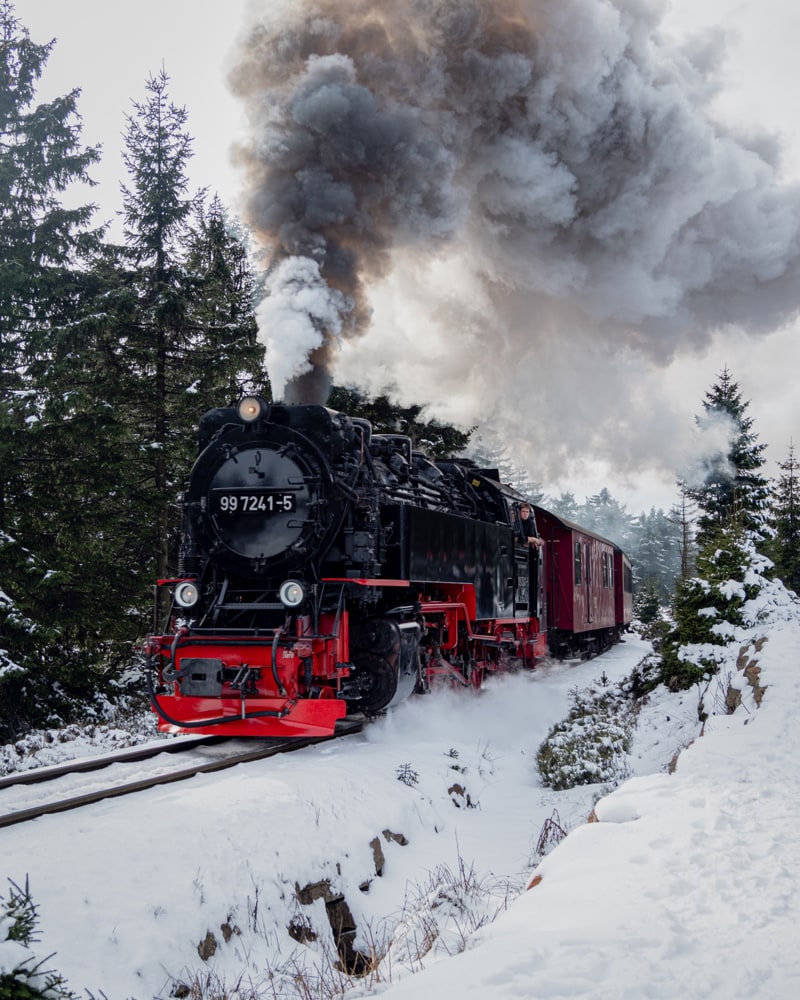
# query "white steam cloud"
(714, 436)
(298, 316)
(521, 209)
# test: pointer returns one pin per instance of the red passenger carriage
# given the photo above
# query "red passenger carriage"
(588, 605)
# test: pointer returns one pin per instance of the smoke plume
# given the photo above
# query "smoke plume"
(508, 209)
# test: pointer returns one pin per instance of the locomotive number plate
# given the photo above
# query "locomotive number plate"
(244, 501)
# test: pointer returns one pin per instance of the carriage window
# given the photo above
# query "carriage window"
(627, 577)
(606, 561)
(578, 574)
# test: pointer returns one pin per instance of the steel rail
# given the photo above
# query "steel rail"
(129, 788)
(142, 752)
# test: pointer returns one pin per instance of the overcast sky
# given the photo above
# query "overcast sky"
(108, 50)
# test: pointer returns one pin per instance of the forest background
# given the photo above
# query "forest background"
(110, 352)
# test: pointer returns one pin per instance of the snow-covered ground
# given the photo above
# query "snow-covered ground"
(422, 833)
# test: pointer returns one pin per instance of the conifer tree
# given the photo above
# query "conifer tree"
(654, 548)
(647, 604)
(733, 488)
(565, 505)
(225, 357)
(682, 515)
(605, 515)
(188, 340)
(40, 240)
(155, 334)
(25, 975)
(731, 528)
(708, 606)
(784, 547)
(47, 293)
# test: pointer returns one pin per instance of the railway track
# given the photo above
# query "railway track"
(27, 795)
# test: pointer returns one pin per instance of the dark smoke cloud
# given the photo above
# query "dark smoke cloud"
(519, 199)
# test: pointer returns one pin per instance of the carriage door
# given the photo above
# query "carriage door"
(588, 582)
(522, 575)
(522, 589)
(583, 585)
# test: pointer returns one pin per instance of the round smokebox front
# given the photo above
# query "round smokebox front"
(262, 508)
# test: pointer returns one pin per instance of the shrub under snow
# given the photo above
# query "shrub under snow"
(589, 746)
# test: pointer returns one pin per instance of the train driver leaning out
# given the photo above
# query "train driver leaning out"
(527, 529)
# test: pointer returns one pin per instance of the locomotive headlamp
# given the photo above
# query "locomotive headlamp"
(251, 408)
(187, 594)
(292, 593)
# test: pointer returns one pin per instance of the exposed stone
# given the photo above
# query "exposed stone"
(343, 926)
(301, 930)
(228, 930)
(340, 916)
(316, 890)
(733, 699)
(749, 667)
(752, 673)
(207, 947)
(377, 854)
(459, 796)
(673, 764)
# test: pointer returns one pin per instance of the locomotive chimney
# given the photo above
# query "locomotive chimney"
(311, 387)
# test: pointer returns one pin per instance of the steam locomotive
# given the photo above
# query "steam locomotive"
(326, 572)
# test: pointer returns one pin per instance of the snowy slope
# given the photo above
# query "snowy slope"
(685, 887)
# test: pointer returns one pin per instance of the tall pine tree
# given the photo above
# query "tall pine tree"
(225, 359)
(40, 240)
(734, 488)
(732, 505)
(154, 335)
(682, 515)
(784, 547)
(654, 548)
(607, 516)
(47, 288)
(187, 332)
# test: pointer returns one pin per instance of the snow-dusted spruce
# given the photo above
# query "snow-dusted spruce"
(714, 607)
(723, 656)
(732, 537)
(23, 974)
(784, 547)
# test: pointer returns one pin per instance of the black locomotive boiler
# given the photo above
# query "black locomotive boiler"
(327, 571)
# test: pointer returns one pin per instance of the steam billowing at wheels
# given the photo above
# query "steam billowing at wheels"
(327, 573)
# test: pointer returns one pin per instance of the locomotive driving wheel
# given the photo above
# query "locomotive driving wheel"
(375, 681)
